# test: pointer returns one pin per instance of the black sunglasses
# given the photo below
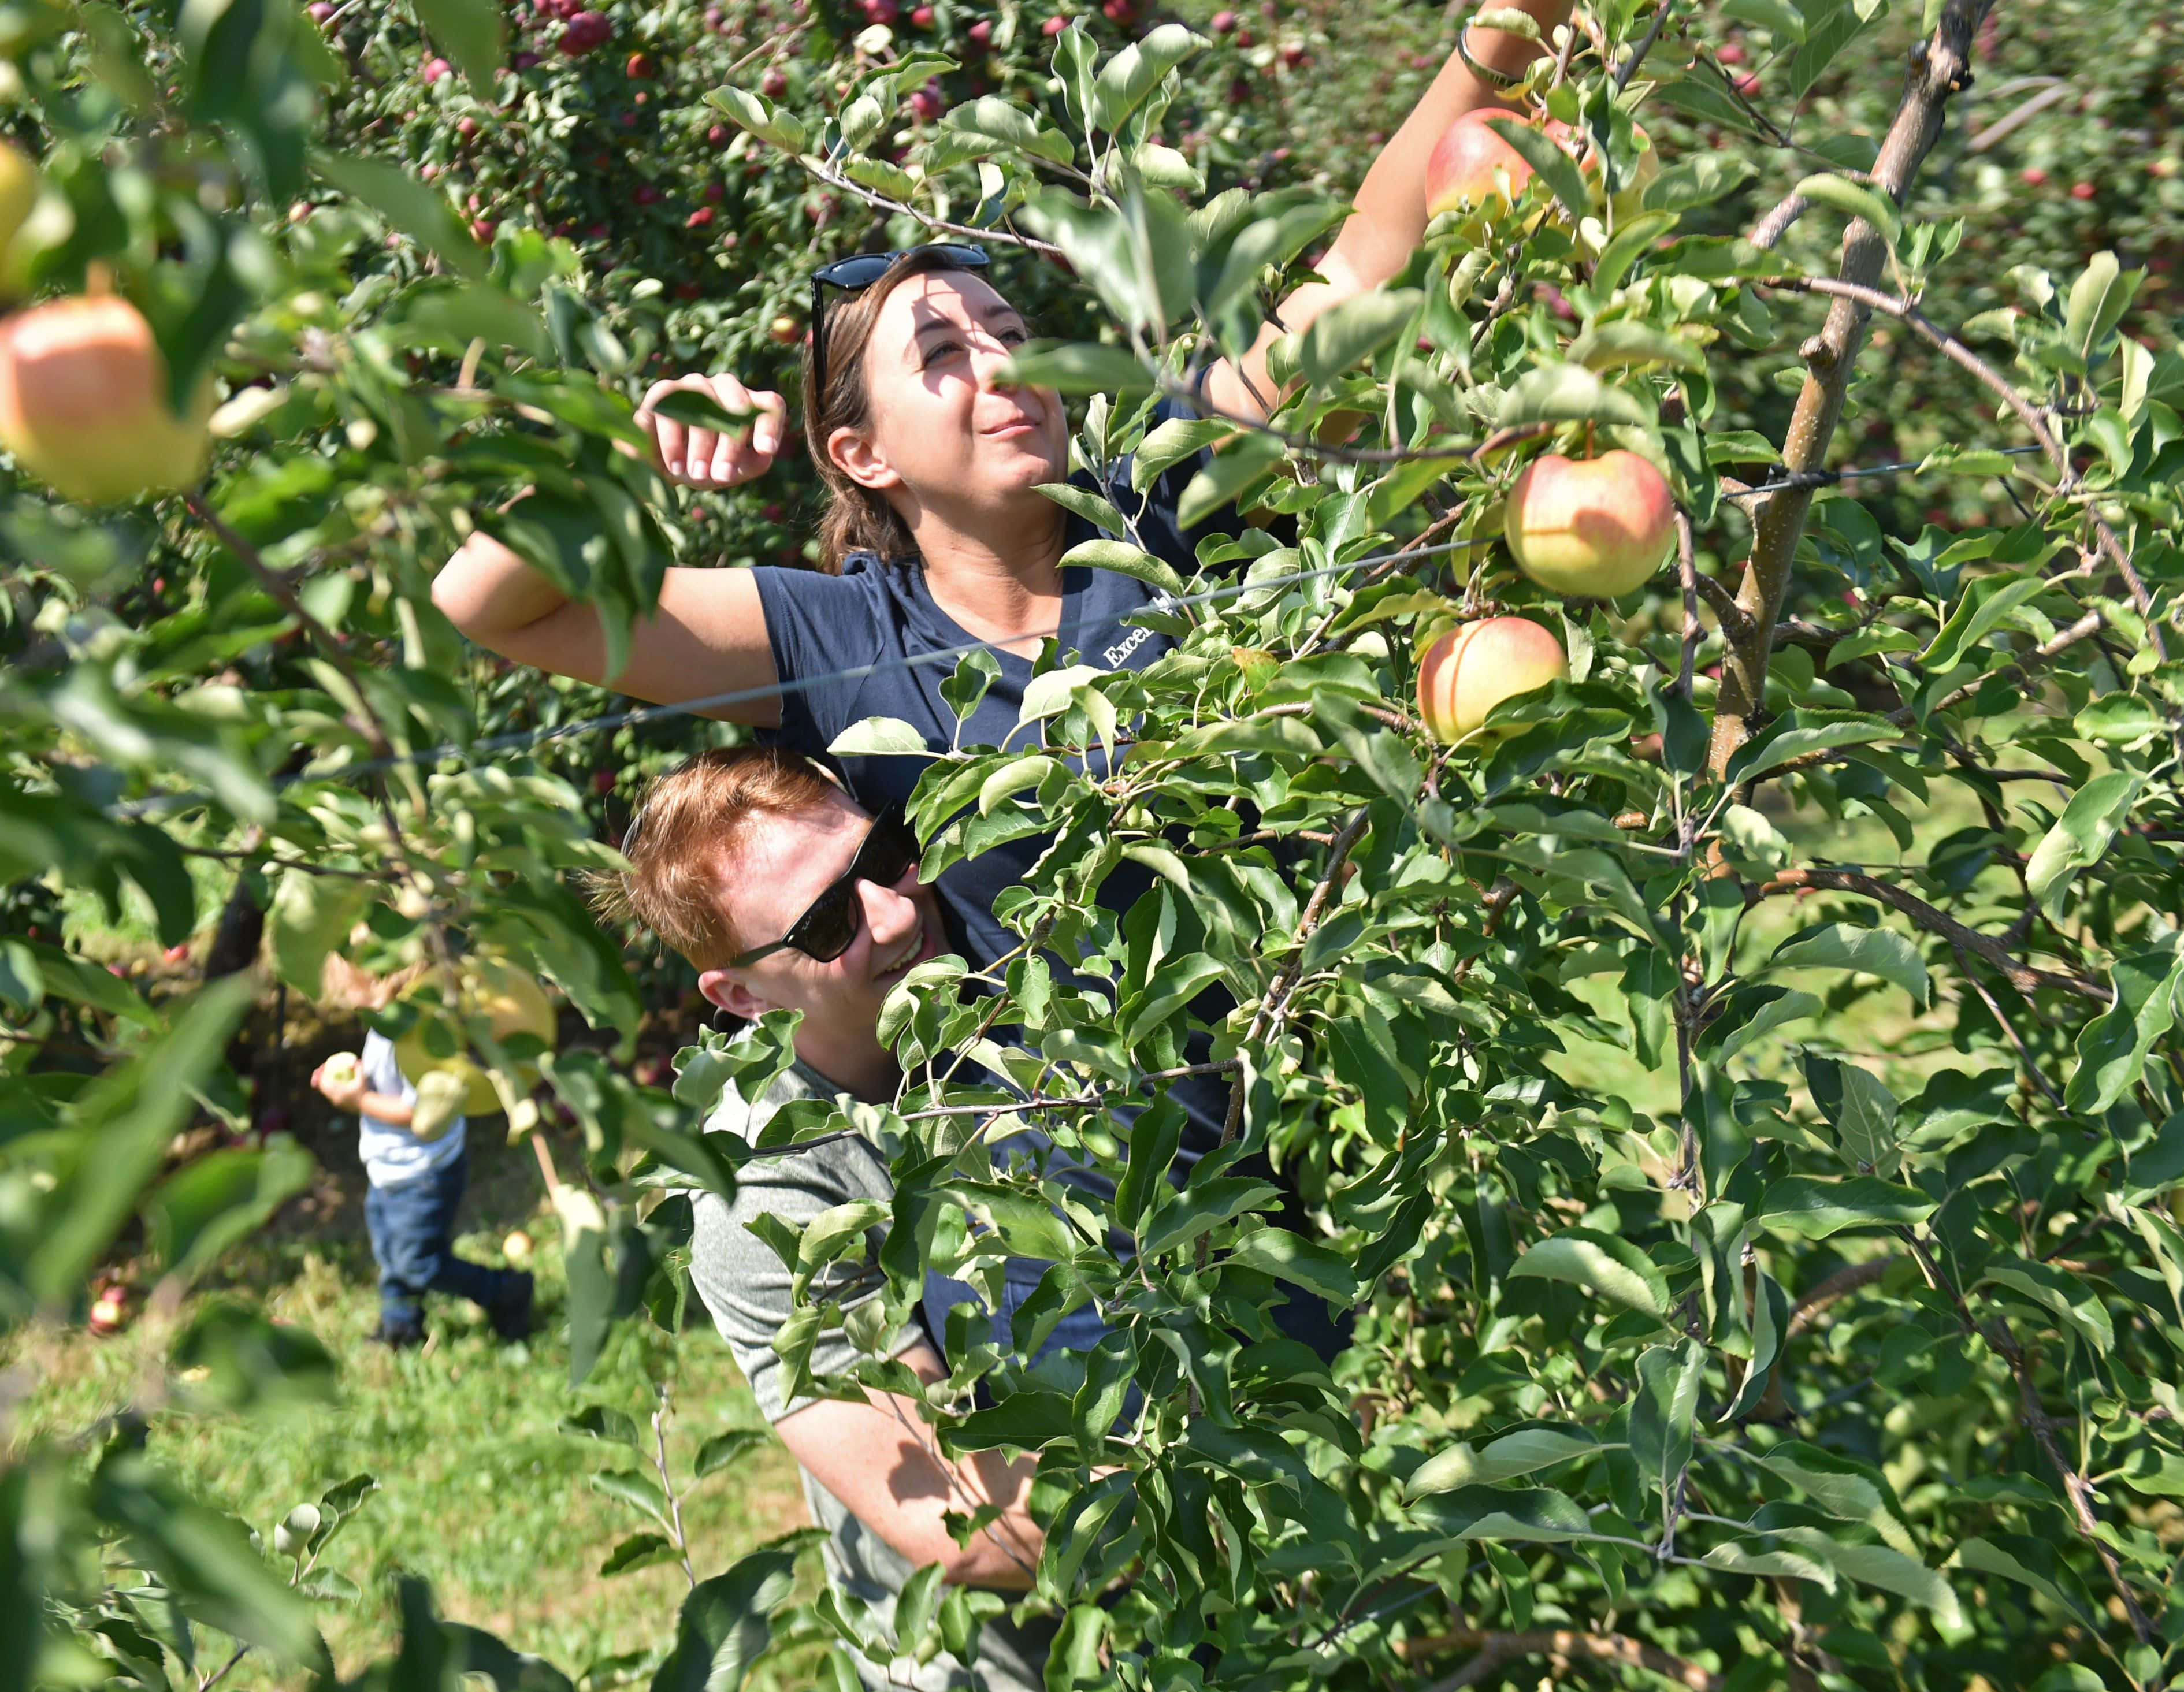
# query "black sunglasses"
(861, 271)
(830, 923)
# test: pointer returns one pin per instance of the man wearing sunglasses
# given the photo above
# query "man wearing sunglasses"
(787, 895)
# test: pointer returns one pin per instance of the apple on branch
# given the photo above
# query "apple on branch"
(1471, 669)
(1596, 527)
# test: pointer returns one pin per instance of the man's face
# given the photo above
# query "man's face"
(783, 862)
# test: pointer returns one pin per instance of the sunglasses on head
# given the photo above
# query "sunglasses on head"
(854, 275)
(831, 921)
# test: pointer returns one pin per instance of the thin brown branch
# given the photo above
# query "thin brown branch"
(2042, 1426)
(1840, 1285)
(1565, 1648)
(1629, 68)
(1687, 570)
(1724, 602)
(835, 179)
(1271, 1009)
(1963, 939)
(1941, 70)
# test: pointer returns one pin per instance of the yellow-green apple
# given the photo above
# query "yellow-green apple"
(83, 402)
(1592, 526)
(513, 1004)
(19, 190)
(1473, 667)
(517, 1248)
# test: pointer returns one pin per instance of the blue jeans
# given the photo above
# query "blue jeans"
(412, 1227)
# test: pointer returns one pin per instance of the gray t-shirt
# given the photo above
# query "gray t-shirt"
(746, 1288)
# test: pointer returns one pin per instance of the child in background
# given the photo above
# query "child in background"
(416, 1186)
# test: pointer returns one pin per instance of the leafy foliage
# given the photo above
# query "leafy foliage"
(1829, 1336)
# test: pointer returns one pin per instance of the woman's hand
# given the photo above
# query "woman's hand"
(707, 458)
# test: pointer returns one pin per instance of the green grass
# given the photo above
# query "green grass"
(479, 1492)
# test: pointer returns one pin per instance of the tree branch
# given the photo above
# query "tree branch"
(2022, 976)
(2079, 1490)
(1566, 1647)
(1840, 1285)
(1942, 68)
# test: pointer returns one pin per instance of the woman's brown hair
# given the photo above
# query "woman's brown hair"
(857, 517)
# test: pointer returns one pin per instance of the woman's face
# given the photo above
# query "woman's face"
(940, 430)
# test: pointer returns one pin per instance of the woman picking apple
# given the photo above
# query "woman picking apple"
(937, 535)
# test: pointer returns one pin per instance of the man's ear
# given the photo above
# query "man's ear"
(728, 993)
(861, 461)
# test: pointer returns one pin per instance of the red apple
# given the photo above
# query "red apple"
(481, 230)
(585, 33)
(641, 67)
(1224, 22)
(1460, 170)
(784, 330)
(927, 102)
(774, 83)
(2033, 176)
(109, 1310)
(701, 219)
(921, 17)
(981, 34)
(321, 11)
(2083, 191)
(434, 69)
(1471, 668)
(1595, 526)
(646, 194)
(83, 402)
(1054, 25)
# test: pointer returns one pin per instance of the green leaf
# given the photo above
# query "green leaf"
(1202, 1208)
(2113, 1048)
(1981, 610)
(2029, 1561)
(2069, 1296)
(407, 204)
(2080, 838)
(1828, 189)
(996, 120)
(1552, 166)
(1623, 344)
(1780, 16)
(1813, 1207)
(469, 31)
(1662, 1411)
(1126, 79)
(639, 1551)
(1167, 446)
(1870, 951)
(725, 1622)
(723, 1448)
(1536, 1515)
(1612, 1267)
(880, 736)
(1354, 330)
(1222, 480)
(1126, 561)
(1890, 1571)
(602, 1422)
(1093, 509)
(1568, 393)
(759, 114)
(1501, 1459)
(311, 915)
(1302, 1262)
(2098, 299)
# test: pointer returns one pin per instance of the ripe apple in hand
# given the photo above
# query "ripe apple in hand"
(83, 402)
(1592, 526)
(1473, 668)
(1460, 170)
(517, 1248)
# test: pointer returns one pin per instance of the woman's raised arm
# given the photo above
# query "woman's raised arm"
(709, 633)
(1390, 219)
